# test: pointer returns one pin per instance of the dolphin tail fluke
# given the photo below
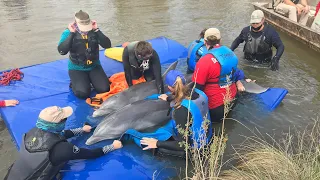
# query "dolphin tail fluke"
(171, 67)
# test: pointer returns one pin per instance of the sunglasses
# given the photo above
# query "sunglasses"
(146, 57)
(255, 23)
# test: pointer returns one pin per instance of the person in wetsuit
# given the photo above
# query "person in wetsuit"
(181, 110)
(140, 59)
(195, 50)
(45, 149)
(82, 40)
(259, 38)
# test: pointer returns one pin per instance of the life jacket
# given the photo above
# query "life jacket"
(85, 49)
(257, 49)
(134, 61)
(195, 50)
(33, 161)
(228, 62)
(199, 110)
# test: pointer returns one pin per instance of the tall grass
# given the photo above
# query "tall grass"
(294, 157)
(206, 160)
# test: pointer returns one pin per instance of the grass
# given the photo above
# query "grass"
(206, 160)
(294, 157)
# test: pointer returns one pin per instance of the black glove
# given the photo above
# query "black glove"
(275, 63)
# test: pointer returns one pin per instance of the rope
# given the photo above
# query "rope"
(6, 78)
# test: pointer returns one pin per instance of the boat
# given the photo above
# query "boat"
(302, 33)
(47, 84)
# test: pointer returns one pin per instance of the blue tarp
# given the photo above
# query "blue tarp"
(47, 84)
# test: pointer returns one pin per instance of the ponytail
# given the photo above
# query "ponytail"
(181, 92)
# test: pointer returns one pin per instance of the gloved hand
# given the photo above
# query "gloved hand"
(275, 63)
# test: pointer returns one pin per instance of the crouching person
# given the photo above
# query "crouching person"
(45, 150)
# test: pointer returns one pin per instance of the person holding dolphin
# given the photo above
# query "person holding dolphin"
(140, 59)
(185, 104)
(45, 149)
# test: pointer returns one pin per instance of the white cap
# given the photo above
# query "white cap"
(55, 114)
(212, 32)
(256, 16)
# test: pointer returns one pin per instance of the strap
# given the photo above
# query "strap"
(96, 101)
(87, 47)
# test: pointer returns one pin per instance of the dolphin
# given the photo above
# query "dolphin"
(139, 115)
(130, 95)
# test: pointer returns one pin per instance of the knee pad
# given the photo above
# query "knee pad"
(81, 94)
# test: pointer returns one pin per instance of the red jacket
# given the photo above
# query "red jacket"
(317, 8)
(2, 104)
(208, 69)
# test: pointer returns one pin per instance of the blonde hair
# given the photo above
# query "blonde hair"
(180, 92)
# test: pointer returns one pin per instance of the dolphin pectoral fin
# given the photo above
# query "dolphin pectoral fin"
(171, 67)
(252, 87)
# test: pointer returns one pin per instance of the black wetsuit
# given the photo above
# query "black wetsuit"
(272, 38)
(216, 114)
(180, 116)
(153, 73)
(60, 153)
(65, 151)
(81, 73)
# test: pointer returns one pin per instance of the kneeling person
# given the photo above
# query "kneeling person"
(140, 59)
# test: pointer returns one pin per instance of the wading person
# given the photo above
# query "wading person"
(259, 39)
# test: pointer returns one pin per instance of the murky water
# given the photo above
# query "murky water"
(31, 29)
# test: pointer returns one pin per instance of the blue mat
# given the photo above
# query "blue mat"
(48, 84)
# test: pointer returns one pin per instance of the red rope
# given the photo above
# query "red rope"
(317, 9)
(7, 77)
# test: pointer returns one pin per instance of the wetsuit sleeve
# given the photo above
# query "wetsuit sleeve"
(171, 145)
(180, 115)
(104, 41)
(240, 39)
(277, 43)
(2, 104)
(72, 132)
(126, 66)
(66, 151)
(65, 42)
(157, 72)
(239, 75)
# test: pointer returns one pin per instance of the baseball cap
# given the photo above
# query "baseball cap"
(256, 16)
(55, 114)
(172, 77)
(83, 21)
(212, 32)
